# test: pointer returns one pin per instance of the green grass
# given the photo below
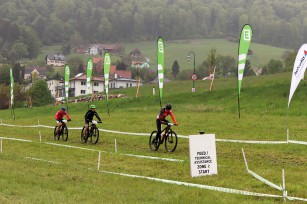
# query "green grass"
(75, 179)
(178, 50)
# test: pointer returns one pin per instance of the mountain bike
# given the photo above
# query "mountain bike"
(63, 132)
(93, 133)
(169, 139)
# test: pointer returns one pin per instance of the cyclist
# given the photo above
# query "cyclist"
(59, 118)
(161, 119)
(89, 117)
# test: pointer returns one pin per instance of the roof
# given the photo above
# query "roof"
(123, 79)
(83, 77)
(97, 60)
(56, 57)
(120, 73)
(41, 70)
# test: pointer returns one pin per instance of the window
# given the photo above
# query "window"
(126, 85)
(95, 92)
(82, 91)
(96, 84)
(130, 84)
(83, 82)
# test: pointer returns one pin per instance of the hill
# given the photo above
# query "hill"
(129, 172)
(178, 50)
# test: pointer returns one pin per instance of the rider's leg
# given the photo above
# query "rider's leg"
(158, 122)
(58, 128)
(165, 122)
(85, 129)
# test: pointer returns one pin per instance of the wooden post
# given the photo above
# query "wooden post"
(211, 85)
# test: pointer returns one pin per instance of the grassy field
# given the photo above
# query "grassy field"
(46, 171)
(178, 50)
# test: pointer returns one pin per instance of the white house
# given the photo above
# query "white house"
(122, 82)
(56, 88)
(57, 60)
(77, 85)
(94, 50)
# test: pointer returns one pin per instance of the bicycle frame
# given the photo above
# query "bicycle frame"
(166, 130)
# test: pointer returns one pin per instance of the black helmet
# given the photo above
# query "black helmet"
(63, 109)
(168, 106)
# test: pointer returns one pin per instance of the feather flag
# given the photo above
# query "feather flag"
(89, 70)
(299, 68)
(67, 73)
(12, 92)
(160, 58)
(245, 39)
(106, 70)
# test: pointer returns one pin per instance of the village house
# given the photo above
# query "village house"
(37, 72)
(57, 60)
(77, 85)
(56, 88)
(122, 82)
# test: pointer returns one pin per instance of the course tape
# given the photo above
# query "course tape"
(267, 182)
(181, 136)
(93, 150)
(207, 187)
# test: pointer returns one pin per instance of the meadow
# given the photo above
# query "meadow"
(179, 49)
(41, 170)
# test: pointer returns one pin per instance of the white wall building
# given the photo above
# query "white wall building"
(57, 60)
(94, 50)
(77, 85)
(122, 82)
(56, 88)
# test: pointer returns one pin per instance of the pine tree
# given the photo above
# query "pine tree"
(175, 68)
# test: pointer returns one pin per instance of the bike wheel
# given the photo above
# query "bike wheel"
(94, 135)
(64, 133)
(171, 141)
(56, 137)
(154, 142)
(83, 139)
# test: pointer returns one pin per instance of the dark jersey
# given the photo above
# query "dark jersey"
(90, 114)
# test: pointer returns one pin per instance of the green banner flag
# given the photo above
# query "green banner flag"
(12, 88)
(67, 73)
(107, 64)
(160, 58)
(89, 70)
(245, 39)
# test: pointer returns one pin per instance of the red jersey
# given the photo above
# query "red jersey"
(59, 115)
(164, 113)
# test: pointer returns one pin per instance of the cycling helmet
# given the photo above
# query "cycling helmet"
(63, 109)
(92, 106)
(168, 106)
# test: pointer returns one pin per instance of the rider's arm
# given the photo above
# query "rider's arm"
(173, 117)
(68, 117)
(97, 116)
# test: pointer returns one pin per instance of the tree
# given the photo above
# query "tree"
(289, 59)
(275, 66)
(212, 60)
(4, 96)
(41, 94)
(227, 64)
(248, 69)
(175, 69)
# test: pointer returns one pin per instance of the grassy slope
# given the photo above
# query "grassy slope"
(263, 117)
(178, 50)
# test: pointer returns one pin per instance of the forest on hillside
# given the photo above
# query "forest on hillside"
(25, 25)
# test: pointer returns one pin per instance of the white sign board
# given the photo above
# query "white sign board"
(202, 155)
